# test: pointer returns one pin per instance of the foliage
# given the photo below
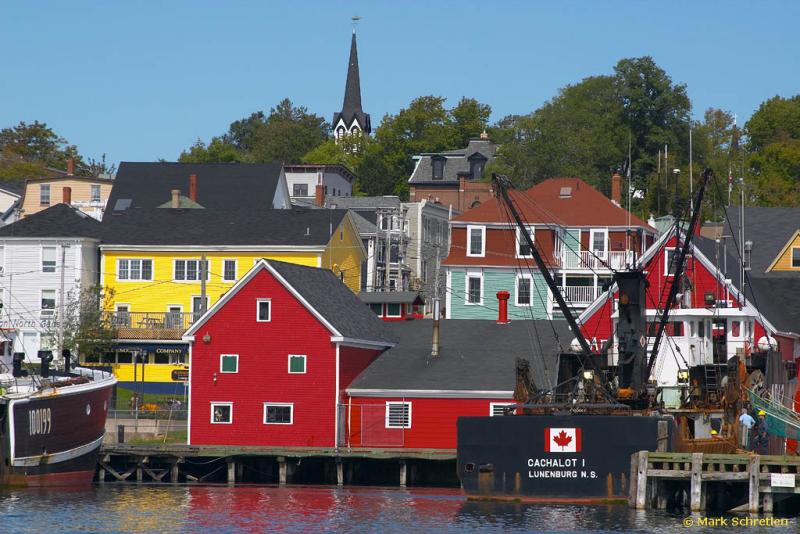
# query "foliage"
(38, 143)
(87, 327)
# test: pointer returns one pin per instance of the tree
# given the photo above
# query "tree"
(470, 118)
(87, 327)
(37, 143)
(217, 151)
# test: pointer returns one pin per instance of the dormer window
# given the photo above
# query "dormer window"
(438, 167)
(477, 163)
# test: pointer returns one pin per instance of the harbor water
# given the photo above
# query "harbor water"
(134, 508)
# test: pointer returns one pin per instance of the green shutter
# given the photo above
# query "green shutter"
(297, 364)
(230, 364)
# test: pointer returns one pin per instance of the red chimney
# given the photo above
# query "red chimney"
(616, 189)
(320, 195)
(70, 166)
(502, 311)
(193, 187)
(66, 195)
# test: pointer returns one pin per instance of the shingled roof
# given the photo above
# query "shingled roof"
(474, 355)
(199, 227)
(351, 108)
(59, 221)
(234, 186)
(324, 294)
(458, 162)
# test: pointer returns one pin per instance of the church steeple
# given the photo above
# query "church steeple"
(352, 118)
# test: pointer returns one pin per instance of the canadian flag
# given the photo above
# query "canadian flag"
(562, 440)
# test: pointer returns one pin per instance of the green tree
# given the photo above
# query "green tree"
(217, 151)
(86, 326)
(37, 143)
(470, 118)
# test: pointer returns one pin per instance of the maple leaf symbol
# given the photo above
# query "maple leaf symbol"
(562, 439)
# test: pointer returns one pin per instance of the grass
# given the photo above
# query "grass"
(172, 437)
(124, 399)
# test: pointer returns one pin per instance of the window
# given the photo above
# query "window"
(174, 317)
(278, 414)
(199, 307)
(95, 193)
(474, 289)
(476, 240)
(393, 309)
(48, 259)
(524, 284)
(123, 317)
(221, 413)
(134, 269)
(496, 408)
(523, 250)
(398, 415)
(669, 261)
(599, 241)
(229, 270)
(300, 190)
(44, 194)
(377, 308)
(263, 310)
(228, 363)
(437, 162)
(736, 328)
(189, 270)
(48, 302)
(297, 364)
(476, 168)
(796, 257)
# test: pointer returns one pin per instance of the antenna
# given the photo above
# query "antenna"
(355, 20)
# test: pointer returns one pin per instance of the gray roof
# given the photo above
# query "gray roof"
(768, 228)
(363, 226)
(391, 297)
(457, 162)
(335, 302)
(477, 355)
(199, 227)
(16, 187)
(234, 186)
(60, 220)
(363, 203)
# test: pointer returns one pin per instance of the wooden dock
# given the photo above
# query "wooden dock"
(665, 479)
(171, 463)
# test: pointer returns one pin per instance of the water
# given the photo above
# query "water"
(246, 509)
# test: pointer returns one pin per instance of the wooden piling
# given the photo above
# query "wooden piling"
(696, 482)
(754, 467)
(231, 471)
(403, 473)
(282, 471)
(641, 481)
(173, 472)
(339, 473)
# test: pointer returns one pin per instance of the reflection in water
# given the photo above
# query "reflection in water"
(161, 508)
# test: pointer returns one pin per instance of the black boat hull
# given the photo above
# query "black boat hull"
(551, 458)
(54, 439)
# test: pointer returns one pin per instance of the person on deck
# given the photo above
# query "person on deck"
(746, 422)
(761, 441)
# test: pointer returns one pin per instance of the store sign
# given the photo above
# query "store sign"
(782, 480)
(180, 375)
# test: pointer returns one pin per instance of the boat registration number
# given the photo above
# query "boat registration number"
(40, 421)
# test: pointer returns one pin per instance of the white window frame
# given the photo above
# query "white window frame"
(290, 405)
(52, 314)
(92, 189)
(258, 307)
(791, 259)
(516, 290)
(666, 260)
(593, 232)
(396, 403)
(141, 270)
(518, 241)
(49, 195)
(198, 270)
(235, 270)
(482, 229)
(467, 276)
(289, 364)
(169, 312)
(55, 258)
(400, 314)
(221, 369)
(220, 403)
(501, 405)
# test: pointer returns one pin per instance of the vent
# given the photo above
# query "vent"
(566, 192)
(122, 204)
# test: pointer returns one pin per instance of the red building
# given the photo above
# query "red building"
(271, 359)
(394, 305)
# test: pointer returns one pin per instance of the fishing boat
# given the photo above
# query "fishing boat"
(52, 423)
(572, 441)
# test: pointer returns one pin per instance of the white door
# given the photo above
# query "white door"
(30, 345)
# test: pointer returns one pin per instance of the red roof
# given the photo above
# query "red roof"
(494, 211)
(581, 204)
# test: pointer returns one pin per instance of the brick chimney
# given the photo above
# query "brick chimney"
(70, 166)
(193, 187)
(319, 196)
(176, 198)
(616, 189)
(66, 195)
(502, 309)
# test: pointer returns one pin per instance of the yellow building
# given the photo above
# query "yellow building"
(87, 194)
(152, 264)
(788, 259)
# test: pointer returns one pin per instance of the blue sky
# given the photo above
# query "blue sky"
(141, 80)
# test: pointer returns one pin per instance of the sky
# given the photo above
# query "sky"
(142, 80)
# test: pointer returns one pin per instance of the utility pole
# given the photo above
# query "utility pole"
(388, 249)
(203, 276)
(61, 302)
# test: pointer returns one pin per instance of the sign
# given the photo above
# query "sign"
(180, 375)
(156, 348)
(562, 439)
(782, 480)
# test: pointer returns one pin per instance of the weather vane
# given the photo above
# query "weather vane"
(355, 20)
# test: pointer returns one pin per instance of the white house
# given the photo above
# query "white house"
(46, 259)
(10, 193)
(302, 181)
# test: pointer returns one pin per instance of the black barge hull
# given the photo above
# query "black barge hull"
(553, 458)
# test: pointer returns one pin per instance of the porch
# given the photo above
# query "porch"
(151, 325)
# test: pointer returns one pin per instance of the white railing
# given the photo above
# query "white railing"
(585, 259)
(579, 294)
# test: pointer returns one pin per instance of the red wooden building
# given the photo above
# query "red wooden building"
(394, 305)
(271, 359)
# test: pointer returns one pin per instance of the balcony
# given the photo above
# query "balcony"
(585, 259)
(151, 325)
(580, 295)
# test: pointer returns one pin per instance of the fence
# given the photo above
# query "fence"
(151, 325)
(144, 425)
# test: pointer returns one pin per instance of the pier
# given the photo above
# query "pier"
(734, 482)
(179, 463)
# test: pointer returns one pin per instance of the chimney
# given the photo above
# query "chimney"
(176, 198)
(66, 195)
(70, 166)
(435, 345)
(502, 310)
(193, 187)
(616, 189)
(319, 199)
(484, 135)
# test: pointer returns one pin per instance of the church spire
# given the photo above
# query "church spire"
(352, 117)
